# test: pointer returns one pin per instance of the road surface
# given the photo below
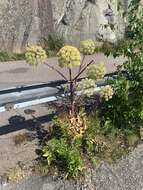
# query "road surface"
(19, 73)
(13, 74)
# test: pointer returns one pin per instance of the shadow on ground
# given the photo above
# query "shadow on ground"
(18, 122)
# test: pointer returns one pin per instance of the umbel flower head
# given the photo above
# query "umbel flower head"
(87, 87)
(107, 92)
(96, 71)
(69, 57)
(35, 55)
(87, 47)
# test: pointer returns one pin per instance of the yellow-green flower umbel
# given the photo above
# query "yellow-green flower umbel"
(69, 57)
(107, 92)
(35, 55)
(96, 71)
(87, 87)
(87, 47)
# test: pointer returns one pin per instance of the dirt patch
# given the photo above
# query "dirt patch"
(12, 155)
(19, 125)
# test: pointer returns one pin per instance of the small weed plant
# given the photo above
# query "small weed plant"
(8, 56)
(52, 44)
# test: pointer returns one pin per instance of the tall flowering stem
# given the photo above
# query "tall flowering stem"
(68, 57)
(82, 63)
(72, 83)
(80, 72)
(57, 71)
(71, 89)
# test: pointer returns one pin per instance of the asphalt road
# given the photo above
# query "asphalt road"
(19, 73)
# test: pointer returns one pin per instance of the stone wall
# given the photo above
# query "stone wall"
(28, 21)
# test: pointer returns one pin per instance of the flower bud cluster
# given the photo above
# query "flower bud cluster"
(78, 126)
(35, 55)
(69, 57)
(87, 87)
(107, 92)
(96, 71)
(87, 47)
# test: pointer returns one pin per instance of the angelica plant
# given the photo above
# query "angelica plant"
(70, 57)
(96, 72)
(87, 47)
(35, 55)
(107, 92)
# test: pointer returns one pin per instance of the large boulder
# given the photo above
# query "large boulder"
(25, 22)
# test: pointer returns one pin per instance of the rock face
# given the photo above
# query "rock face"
(28, 21)
(81, 19)
(23, 22)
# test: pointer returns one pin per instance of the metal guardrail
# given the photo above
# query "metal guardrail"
(33, 86)
(30, 95)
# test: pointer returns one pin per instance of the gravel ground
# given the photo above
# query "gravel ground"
(125, 175)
